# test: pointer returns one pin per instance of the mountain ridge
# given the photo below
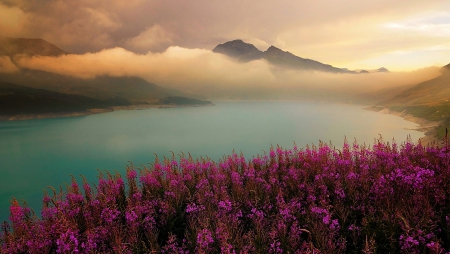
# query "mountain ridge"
(246, 52)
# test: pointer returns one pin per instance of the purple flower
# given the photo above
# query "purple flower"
(204, 239)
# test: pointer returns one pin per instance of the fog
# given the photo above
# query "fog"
(6, 65)
(215, 76)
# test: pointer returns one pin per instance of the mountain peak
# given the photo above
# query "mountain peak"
(273, 48)
(382, 69)
(273, 51)
(239, 49)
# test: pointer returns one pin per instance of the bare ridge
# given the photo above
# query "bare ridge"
(32, 47)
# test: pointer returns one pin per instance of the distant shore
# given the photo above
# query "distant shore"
(426, 126)
(95, 111)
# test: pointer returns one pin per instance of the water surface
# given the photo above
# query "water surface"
(44, 152)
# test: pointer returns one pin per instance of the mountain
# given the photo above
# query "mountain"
(240, 50)
(288, 60)
(129, 88)
(382, 69)
(429, 99)
(246, 52)
(32, 47)
(19, 100)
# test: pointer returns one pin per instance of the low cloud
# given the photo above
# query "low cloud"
(202, 72)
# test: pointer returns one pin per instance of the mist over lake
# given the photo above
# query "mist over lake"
(40, 153)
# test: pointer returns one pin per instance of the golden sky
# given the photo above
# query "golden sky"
(401, 35)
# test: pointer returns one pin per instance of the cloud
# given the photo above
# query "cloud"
(154, 38)
(344, 33)
(11, 20)
(174, 67)
(202, 72)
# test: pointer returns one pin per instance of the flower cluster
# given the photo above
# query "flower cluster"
(387, 198)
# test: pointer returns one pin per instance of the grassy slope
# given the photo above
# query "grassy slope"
(429, 100)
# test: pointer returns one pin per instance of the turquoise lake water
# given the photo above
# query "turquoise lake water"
(35, 154)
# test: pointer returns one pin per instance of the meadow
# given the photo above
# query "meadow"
(384, 198)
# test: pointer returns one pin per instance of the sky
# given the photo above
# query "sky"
(401, 35)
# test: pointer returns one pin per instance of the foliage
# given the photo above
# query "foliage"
(442, 129)
(387, 198)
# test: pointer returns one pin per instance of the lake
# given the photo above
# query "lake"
(35, 154)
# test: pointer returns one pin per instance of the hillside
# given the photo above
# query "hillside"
(429, 93)
(134, 89)
(247, 52)
(429, 99)
(32, 47)
(19, 100)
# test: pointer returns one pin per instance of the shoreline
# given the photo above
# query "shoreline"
(427, 127)
(96, 111)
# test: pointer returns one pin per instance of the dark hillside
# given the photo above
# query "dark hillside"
(133, 89)
(17, 100)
